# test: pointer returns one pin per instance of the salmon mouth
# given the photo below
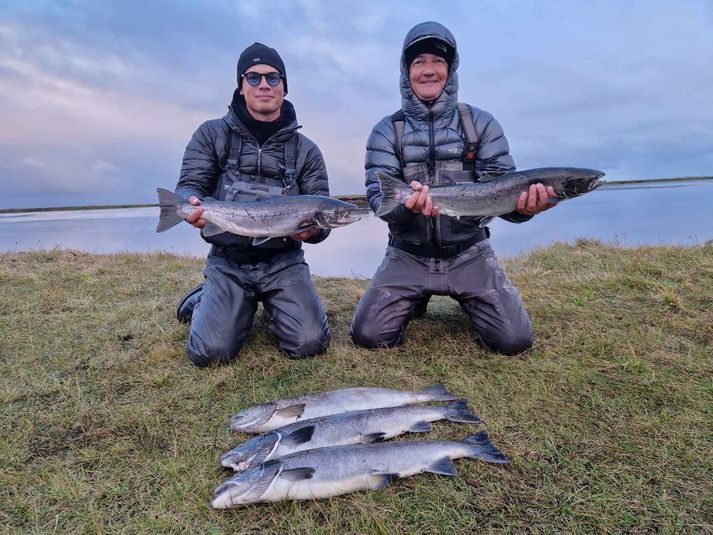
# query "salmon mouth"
(574, 186)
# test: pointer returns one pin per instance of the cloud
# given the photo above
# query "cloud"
(100, 98)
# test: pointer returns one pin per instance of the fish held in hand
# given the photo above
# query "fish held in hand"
(268, 416)
(271, 218)
(494, 196)
(352, 427)
(331, 471)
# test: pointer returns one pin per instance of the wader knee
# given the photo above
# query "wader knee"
(512, 345)
(307, 347)
(371, 337)
(203, 355)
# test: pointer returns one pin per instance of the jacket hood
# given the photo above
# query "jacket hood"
(448, 99)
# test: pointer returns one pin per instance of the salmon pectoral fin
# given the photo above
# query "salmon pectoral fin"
(298, 474)
(211, 229)
(291, 411)
(444, 467)
(378, 480)
(298, 437)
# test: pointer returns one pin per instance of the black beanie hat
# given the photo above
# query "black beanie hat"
(259, 54)
(430, 45)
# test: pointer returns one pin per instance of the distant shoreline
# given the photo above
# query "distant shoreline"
(359, 200)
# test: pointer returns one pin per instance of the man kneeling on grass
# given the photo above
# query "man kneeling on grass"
(433, 140)
(254, 152)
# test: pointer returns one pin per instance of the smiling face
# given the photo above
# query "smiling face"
(428, 75)
(263, 101)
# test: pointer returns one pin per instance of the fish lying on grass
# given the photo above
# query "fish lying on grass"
(271, 218)
(353, 427)
(331, 471)
(495, 196)
(269, 416)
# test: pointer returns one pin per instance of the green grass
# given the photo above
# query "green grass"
(107, 427)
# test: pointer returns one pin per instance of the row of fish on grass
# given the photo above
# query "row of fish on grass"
(288, 215)
(331, 443)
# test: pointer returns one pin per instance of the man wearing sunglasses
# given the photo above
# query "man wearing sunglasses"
(435, 140)
(253, 153)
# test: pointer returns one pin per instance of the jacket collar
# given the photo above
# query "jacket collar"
(287, 111)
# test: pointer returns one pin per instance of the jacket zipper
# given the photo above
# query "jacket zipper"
(259, 147)
(433, 239)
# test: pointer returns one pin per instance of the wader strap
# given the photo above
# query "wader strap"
(236, 143)
(439, 251)
(471, 150)
(397, 118)
(290, 164)
(232, 169)
(466, 119)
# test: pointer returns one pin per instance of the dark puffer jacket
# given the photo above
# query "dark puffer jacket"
(205, 158)
(432, 132)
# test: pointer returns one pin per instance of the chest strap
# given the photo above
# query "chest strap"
(466, 120)
(232, 164)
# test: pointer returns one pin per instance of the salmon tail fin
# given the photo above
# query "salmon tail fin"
(458, 411)
(482, 448)
(393, 193)
(169, 203)
(438, 392)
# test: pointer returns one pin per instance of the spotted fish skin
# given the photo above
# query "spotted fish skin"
(494, 196)
(271, 218)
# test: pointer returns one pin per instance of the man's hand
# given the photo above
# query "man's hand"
(420, 201)
(535, 199)
(305, 234)
(195, 218)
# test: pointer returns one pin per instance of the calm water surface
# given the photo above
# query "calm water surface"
(678, 215)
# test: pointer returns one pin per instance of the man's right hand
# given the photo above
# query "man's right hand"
(195, 218)
(420, 201)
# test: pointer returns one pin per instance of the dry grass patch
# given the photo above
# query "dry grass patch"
(107, 427)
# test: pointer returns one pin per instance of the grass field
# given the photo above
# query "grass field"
(107, 427)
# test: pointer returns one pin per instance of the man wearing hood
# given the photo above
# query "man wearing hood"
(252, 153)
(435, 141)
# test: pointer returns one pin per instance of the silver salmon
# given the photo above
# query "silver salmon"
(271, 218)
(352, 427)
(331, 471)
(493, 196)
(269, 416)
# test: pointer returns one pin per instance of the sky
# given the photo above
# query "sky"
(99, 98)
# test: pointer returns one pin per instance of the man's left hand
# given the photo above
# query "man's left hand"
(535, 199)
(305, 234)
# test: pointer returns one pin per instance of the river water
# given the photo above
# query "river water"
(680, 214)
